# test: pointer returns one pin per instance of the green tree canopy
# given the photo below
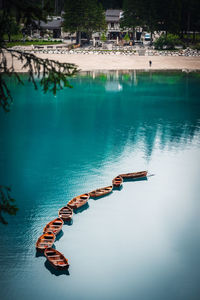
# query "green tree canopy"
(127, 38)
(173, 16)
(131, 14)
(114, 4)
(103, 37)
(84, 16)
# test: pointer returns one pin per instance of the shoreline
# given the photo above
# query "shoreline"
(101, 62)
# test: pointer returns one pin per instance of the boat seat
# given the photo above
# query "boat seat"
(54, 257)
(48, 237)
(50, 253)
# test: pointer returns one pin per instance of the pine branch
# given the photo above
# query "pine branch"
(6, 203)
(53, 75)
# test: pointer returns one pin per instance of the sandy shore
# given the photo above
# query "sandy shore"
(121, 62)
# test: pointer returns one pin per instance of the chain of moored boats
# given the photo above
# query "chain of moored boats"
(65, 214)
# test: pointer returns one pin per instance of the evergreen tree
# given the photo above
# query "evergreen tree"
(131, 17)
(103, 37)
(171, 16)
(127, 38)
(11, 27)
(84, 16)
(114, 4)
(190, 17)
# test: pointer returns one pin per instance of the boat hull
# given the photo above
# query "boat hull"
(65, 213)
(78, 201)
(55, 226)
(117, 181)
(45, 241)
(134, 175)
(56, 259)
(101, 192)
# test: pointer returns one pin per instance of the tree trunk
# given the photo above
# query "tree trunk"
(188, 27)
(194, 37)
(133, 34)
(151, 38)
(89, 37)
(56, 7)
(78, 37)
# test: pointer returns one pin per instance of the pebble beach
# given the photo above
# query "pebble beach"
(90, 59)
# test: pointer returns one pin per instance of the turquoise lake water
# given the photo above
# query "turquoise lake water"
(142, 242)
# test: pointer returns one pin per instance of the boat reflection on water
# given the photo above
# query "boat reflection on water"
(55, 272)
(137, 179)
(41, 253)
(81, 209)
(118, 188)
(59, 235)
(69, 223)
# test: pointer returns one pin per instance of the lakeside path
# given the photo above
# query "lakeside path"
(90, 62)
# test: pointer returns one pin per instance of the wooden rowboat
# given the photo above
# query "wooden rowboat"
(134, 175)
(45, 241)
(101, 192)
(65, 213)
(54, 226)
(78, 201)
(117, 181)
(56, 259)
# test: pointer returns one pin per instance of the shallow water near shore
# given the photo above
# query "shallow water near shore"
(140, 242)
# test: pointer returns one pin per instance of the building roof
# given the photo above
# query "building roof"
(113, 15)
(52, 24)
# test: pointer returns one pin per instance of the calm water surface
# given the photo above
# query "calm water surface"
(140, 243)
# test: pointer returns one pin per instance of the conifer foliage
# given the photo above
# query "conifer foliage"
(84, 16)
(171, 16)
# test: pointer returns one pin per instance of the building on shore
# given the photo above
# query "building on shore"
(114, 31)
(113, 17)
(52, 27)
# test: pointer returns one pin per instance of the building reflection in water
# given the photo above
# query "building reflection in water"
(153, 106)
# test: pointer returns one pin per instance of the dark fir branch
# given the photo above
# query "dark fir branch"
(53, 75)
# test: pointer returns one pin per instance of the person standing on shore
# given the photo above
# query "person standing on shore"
(150, 63)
